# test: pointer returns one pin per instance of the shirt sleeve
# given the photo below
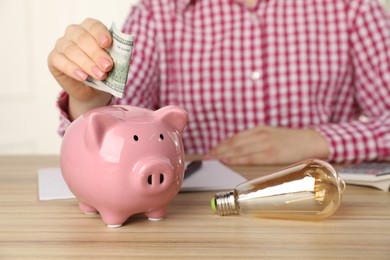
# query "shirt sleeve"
(142, 88)
(369, 137)
(62, 104)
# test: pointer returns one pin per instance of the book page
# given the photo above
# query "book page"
(375, 174)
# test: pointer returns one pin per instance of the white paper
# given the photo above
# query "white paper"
(52, 185)
(212, 175)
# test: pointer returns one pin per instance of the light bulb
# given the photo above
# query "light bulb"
(308, 190)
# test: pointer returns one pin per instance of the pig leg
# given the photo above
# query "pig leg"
(86, 209)
(156, 215)
(112, 219)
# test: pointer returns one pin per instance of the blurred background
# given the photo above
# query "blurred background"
(28, 92)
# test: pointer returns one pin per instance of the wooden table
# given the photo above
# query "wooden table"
(30, 228)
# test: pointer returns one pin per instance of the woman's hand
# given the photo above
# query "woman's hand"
(78, 54)
(271, 145)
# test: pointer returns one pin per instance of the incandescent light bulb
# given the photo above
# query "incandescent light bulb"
(308, 190)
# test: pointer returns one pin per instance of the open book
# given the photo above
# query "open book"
(367, 174)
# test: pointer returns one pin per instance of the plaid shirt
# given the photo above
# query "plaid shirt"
(287, 63)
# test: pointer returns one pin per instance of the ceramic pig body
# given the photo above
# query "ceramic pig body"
(124, 160)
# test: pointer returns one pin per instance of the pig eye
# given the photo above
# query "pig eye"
(135, 137)
(161, 137)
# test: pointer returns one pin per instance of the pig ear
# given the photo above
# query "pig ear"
(97, 126)
(175, 116)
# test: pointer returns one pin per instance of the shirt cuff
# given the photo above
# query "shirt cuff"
(62, 104)
(350, 142)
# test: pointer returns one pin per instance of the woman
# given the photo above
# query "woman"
(264, 82)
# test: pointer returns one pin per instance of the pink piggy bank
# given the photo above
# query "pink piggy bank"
(124, 160)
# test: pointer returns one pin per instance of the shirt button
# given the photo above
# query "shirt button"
(256, 75)
(254, 17)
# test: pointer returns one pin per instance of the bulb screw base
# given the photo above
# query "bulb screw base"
(224, 203)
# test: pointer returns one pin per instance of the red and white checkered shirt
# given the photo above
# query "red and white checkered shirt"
(286, 63)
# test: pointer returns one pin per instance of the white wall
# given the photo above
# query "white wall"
(386, 3)
(30, 28)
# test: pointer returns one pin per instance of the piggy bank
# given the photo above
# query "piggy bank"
(123, 160)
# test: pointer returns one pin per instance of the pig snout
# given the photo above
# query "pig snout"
(155, 175)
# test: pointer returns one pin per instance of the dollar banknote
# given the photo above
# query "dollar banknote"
(120, 51)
